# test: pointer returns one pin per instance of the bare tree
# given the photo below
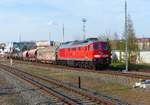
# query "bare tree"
(132, 42)
(114, 41)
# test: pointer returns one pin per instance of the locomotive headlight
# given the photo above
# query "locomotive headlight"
(97, 56)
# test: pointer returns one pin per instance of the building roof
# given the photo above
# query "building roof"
(144, 40)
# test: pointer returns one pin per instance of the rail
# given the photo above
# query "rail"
(34, 80)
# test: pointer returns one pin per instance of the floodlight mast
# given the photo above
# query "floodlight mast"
(84, 32)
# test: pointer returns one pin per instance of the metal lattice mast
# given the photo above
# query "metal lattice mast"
(84, 32)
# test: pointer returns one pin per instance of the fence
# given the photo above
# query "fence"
(143, 58)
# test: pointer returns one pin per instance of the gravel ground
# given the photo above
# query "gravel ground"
(141, 73)
(14, 91)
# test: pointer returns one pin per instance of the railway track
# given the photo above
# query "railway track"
(108, 71)
(64, 94)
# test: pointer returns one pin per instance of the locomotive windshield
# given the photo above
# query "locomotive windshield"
(104, 46)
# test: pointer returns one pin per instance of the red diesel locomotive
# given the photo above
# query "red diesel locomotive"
(90, 53)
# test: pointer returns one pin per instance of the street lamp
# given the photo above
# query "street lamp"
(84, 21)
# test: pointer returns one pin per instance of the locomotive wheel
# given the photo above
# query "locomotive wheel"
(83, 65)
(80, 64)
(94, 67)
(86, 65)
(89, 66)
(77, 64)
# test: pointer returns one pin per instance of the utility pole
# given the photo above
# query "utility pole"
(126, 36)
(19, 37)
(84, 33)
(63, 30)
(49, 36)
(20, 41)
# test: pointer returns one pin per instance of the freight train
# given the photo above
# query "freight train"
(90, 53)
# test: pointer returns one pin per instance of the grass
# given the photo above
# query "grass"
(137, 67)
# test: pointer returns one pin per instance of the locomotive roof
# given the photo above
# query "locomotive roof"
(78, 43)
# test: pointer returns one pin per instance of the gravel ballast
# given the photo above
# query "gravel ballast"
(15, 91)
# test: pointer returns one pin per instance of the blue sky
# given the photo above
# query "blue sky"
(34, 19)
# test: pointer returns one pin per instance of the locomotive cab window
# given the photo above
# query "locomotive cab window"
(97, 46)
(90, 47)
(103, 46)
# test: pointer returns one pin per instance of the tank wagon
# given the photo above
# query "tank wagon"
(32, 55)
(44, 54)
(25, 55)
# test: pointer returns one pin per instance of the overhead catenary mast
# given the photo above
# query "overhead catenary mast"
(126, 36)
